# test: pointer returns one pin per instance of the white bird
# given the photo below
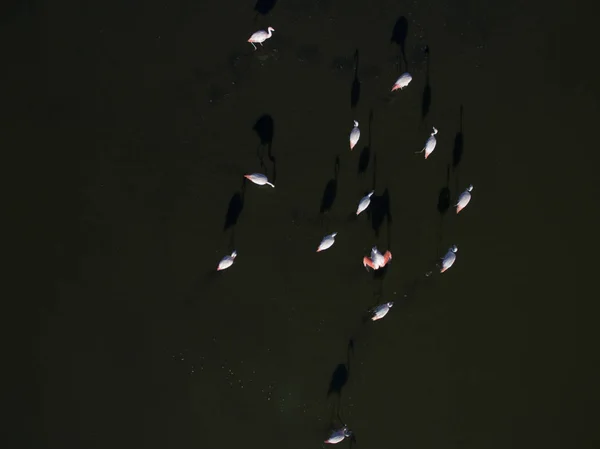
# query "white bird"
(377, 259)
(364, 202)
(258, 178)
(464, 199)
(354, 135)
(338, 435)
(430, 144)
(449, 258)
(260, 36)
(327, 242)
(381, 310)
(227, 261)
(402, 82)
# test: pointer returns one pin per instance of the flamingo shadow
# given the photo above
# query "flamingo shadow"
(355, 89)
(330, 192)
(459, 143)
(443, 203)
(234, 210)
(265, 129)
(399, 33)
(264, 7)
(426, 98)
(365, 154)
(339, 379)
(379, 211)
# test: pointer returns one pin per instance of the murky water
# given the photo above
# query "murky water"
(128, 128)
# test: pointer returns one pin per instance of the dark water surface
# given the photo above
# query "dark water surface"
(126, 129)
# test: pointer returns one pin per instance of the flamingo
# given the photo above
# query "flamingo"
(402, 82)
(338, 435)
(377, 260)
(258, 178)
(464, 199)
(381, 310)
(327, 242)
(449, 258)
(364, 202)
(260, 36)
(430, 144)
(354, 135)
(227, 261)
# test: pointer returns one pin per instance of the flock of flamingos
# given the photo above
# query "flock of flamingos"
(377, 259)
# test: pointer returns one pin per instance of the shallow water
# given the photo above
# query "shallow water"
(127, 131)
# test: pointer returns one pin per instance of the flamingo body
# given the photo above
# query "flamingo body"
(464, 199)
(327, 242)
(377, 260)
(430, 144)
(381, 311)
(364, 202)
(227, 261)
(449, 258)
(402, 82)
(354, 135)
(259, 179)
(338, 435)
(260, 36)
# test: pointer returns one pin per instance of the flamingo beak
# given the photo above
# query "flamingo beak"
(396, 87)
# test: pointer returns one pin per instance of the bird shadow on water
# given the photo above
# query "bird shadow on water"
(339, 379)
(443, 205)
(365, 154)
(355, 89)
(459, 143)
(426, 99)
(234, 210)
(330, 191)
(264, 7)
(379, 209)
(399, 33)
(265, 129)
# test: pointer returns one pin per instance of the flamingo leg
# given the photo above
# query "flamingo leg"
(253, 45)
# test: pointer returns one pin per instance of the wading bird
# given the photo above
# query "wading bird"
(354, 135)
(449, 258)
(327, 242)
(338, 435)
(258, 178)
(430, 144)
(227, 261)
(260, 36)
(381, 310)
(402, 82)
(364, 202)
(377, 260)
(464, 199)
